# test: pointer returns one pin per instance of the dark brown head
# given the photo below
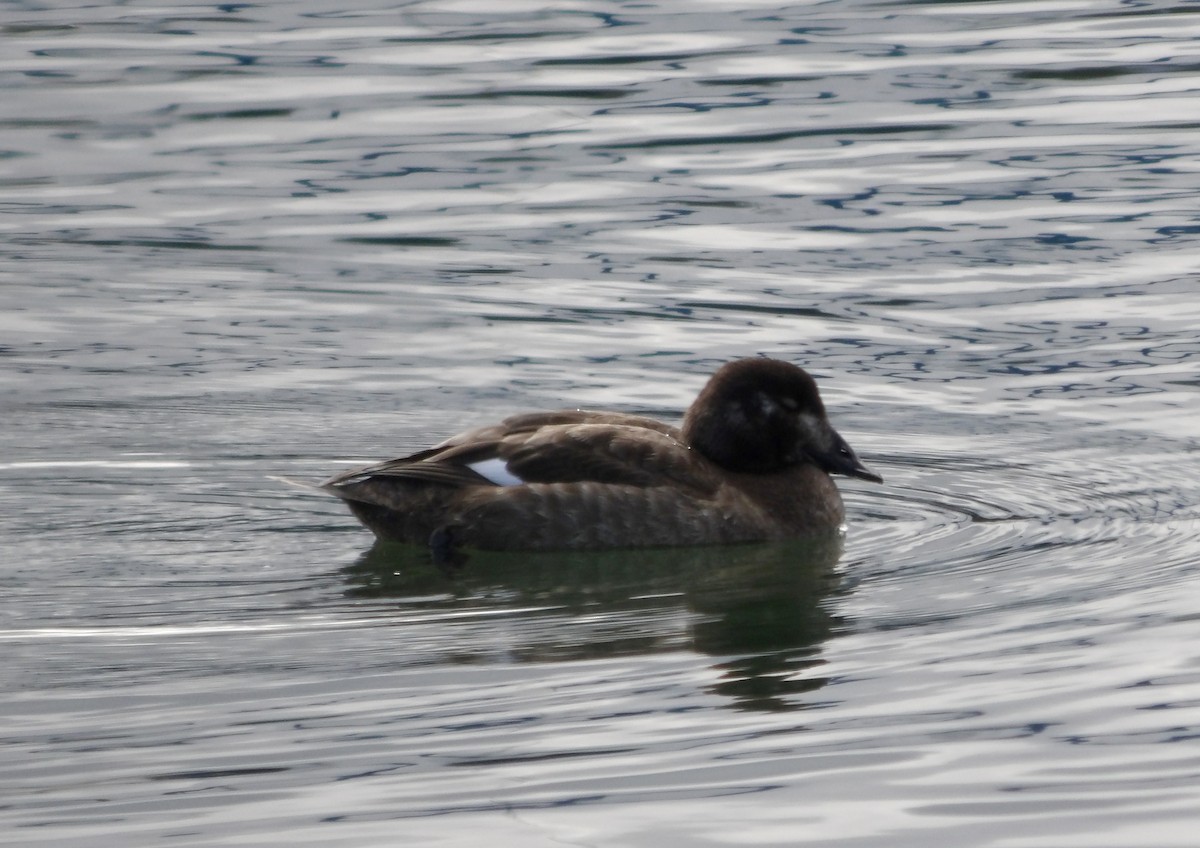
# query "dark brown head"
(758, 416)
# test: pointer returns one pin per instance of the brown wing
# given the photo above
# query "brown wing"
(558, 447)
(617, 454)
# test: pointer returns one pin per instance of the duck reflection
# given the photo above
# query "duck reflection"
(758, 609)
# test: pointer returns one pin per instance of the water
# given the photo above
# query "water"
(249, 241)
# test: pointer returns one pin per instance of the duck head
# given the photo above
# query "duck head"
(759, 416)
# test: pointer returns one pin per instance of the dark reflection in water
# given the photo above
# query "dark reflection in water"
(757, 608)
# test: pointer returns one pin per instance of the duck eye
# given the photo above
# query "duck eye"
(789, 403)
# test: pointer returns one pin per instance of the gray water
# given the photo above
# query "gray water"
(249, 241)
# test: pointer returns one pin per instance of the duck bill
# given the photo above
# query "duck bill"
(845, 461)
(862, 472)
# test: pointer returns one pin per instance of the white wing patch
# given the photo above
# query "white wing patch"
(496, 471)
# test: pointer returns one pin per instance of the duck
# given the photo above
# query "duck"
(751, 462)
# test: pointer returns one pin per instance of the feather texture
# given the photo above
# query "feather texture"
(751, 462)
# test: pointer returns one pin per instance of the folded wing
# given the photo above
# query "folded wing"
(560, 447)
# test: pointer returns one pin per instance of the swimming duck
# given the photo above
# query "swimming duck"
(751, 462)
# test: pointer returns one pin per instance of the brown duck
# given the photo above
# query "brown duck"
(750, 463)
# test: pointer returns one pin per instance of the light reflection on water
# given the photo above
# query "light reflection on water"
(263, 241)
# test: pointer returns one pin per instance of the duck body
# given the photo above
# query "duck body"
(750, 463)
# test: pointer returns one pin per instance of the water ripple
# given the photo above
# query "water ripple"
(263, 241)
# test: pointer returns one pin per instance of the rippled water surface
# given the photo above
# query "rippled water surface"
(248, 241)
